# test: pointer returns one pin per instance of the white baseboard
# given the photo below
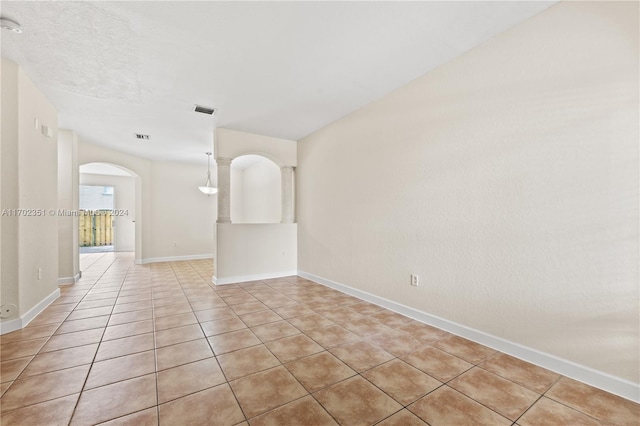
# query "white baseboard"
(173, 258)
(19, 323)
(598, 379)
(33, 312)
(69, 280)
(256, 277)
(11, 325)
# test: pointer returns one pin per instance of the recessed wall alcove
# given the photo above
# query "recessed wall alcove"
(256, 191)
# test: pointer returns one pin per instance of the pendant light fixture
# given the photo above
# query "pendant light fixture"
(208, 188)
(11, 25)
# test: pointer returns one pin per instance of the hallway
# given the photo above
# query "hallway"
(157, 344)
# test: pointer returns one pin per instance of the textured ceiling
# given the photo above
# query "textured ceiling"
(282, 69)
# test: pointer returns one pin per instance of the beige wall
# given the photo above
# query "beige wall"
(68, 178)
(169, 208)
(9, 288)
(38, 188)
(237, 197)
(248, 252)
(507, 180)
(29, 181)
(233, 143)
(182, 218)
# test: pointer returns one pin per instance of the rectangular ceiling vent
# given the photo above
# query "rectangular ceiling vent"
(204, 110)
(142, 137)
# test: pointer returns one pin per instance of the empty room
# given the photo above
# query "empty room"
(320, 213)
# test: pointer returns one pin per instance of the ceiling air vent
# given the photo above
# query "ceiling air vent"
(142, 137)
(205, 110)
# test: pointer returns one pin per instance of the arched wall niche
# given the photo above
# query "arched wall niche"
(256, 190)
(265, 248)
(274, 159)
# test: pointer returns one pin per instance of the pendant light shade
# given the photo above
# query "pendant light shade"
(208, 188)
(8, 24)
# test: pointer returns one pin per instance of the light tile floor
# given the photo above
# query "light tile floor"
(157, 344)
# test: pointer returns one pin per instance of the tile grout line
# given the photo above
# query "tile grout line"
(282, 364)
(213, 352)
(44, 344)
(84, 384)
(180, 280)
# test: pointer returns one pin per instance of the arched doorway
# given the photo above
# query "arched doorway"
(100, 183)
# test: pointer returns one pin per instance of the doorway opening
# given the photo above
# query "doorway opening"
(96, 219)
(107, 202)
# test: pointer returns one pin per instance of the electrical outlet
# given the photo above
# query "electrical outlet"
(414, 280)
(8, 310)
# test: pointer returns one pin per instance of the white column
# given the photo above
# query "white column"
(224, 190)
(287, 194)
